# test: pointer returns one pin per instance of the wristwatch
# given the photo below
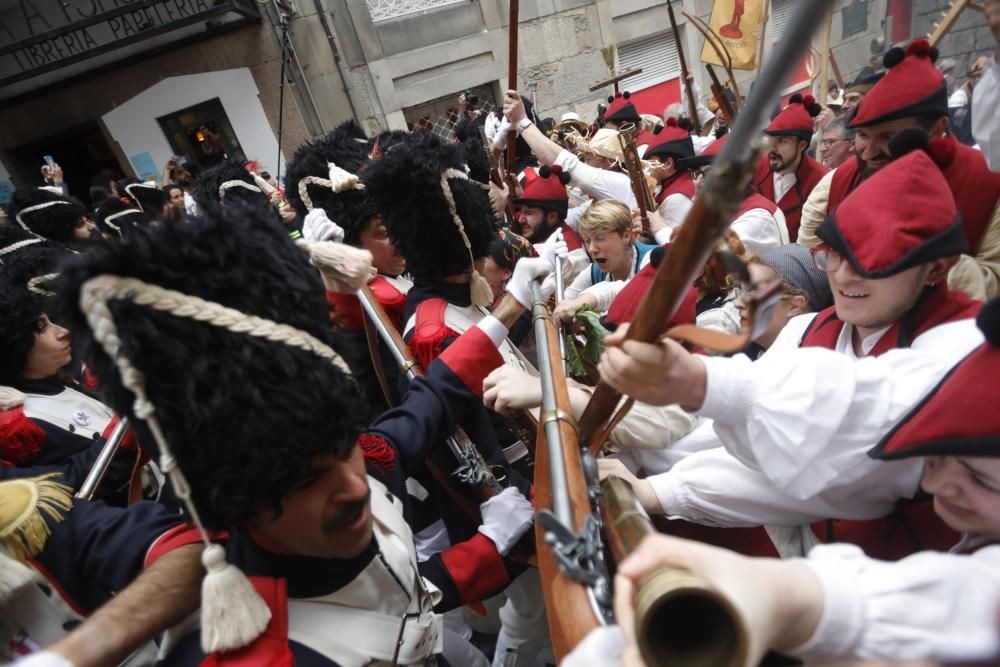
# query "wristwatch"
(522, 125)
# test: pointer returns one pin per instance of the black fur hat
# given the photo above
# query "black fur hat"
(20, 312)
(350, 208)
(32, 266)
(147, 196)
(247, 418)
(45, 213)
(115, 218)
(476, 156)
(406, 185)
(211, 187)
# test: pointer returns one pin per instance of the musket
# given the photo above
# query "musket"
(713, 209)
(473, 470)
(680, 620)
(633, 166)
(719, 93)
(108, 451)
(512, 26)
(570, 559)
(692, 102)
(720, 50)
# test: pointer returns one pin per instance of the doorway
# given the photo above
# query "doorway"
(201, 135)
(83, 153)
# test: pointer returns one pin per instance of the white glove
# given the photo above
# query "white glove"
(555, 246)
(318, 227)
(602, 646)
(506, 517)
(44, 659)
(527, 270)
(503, 130)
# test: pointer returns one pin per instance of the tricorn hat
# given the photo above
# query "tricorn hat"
(45, 214)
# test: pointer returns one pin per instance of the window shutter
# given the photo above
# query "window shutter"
(656, 55)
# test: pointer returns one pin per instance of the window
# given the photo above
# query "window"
(781, 16)
(656, 55)
(383, 10)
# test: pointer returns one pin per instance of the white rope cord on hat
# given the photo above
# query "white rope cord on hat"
(115, 216)
(128, 191)
(37, 207)
(252, 616)
(339, 180)
(237, 183)
(33, 284)
(482, 294)
(14, 247)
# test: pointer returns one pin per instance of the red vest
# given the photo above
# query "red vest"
(913, 526)
(345, 309)
(756, 201)
(809, 173)
(679, 183)
(976, 189)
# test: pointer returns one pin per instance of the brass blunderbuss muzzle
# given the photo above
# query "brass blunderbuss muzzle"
(680, 621)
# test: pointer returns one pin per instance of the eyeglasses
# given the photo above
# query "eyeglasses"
(697, 173)
(826, 258)
(829, 142)
(760, 288)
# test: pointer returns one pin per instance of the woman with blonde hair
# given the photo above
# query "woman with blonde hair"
(616, 256)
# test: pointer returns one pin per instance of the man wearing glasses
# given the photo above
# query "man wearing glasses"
(837, 143)
(795, 426)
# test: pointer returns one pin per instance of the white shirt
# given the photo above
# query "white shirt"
(674, 209)
(796, 428)
(928, 606)
(782, 184)
(598, 183)
(985, 119)
(606, 290)
(761, 230)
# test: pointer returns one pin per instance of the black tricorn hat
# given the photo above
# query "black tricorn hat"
(116, 218)
(147, 196)
(226, 183)
(45, 213)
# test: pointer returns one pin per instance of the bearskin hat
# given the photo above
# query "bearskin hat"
(44, 213)
(476, 153)
(406, 186)
(20, 312)
(33, 266)
(216, 185)
(350, 208)
(231, 404)
(115, 218)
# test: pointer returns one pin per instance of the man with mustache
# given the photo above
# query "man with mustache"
(913, 94)
(223, 359)
(786, 175)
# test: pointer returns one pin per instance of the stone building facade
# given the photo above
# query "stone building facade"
(160, 69)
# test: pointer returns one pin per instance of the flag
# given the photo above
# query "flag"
(736, 24)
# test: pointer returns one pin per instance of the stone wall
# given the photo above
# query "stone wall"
(968, 39)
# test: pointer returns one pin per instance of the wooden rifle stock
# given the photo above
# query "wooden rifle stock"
(713, 208)
(473, 470)
(512, 27)
(561, 488)
(692, 102)
(680, 621)
(719, 93)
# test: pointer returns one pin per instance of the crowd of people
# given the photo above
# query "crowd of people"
(213, 454)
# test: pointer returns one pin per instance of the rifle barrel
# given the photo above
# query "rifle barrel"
(680, 621)
(108, 451)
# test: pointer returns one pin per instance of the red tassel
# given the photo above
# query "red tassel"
(377, 450)
(942, 151)
(20, 438)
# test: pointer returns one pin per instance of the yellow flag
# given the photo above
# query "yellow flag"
(735, 23)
